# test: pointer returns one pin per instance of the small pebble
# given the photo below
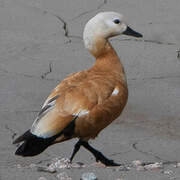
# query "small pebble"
(32, 165)
(88, 176)
(168, 172)
(122, 168)
(178, 164)
(46, 169)
(140, 168)
(60, 163)
(154, 166)
(137, 163)
(18, 166)
(42, 178)
(77, 165)
(174, 178)
(63, 176)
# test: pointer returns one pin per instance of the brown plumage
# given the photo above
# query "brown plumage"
(84, 103)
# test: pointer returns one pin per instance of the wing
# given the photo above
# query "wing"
(53, 118)
(82, 101)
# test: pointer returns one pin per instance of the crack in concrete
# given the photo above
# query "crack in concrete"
(26, 111)
(54, 79)
(60, 19)
(43, 76)
(37, 77)
(146, 40)
(164, 162)
(89, 11)
(65, 26)
(11, 131)
(178, 53)
(155, 77)
(66, 31)
(102, 4)
(120, 153)
(134, 146)
(28, 75)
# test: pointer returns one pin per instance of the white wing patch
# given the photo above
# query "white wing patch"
(81, 113)
(115, 92)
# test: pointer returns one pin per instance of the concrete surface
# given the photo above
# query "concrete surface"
(41, 43)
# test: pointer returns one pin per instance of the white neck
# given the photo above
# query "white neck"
(94, 41)
(95, 46)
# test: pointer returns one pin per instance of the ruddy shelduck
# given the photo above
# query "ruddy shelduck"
(86, 102)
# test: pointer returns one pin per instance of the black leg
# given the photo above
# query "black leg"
(76, 149)
(98, 155)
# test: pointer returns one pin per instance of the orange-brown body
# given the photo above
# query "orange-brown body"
(89, 90)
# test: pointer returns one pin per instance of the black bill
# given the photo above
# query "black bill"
(131, 32)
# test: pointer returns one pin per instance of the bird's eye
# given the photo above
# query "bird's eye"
(116, 21)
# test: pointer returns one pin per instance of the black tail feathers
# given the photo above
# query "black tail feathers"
(32, 144)
(27, 135)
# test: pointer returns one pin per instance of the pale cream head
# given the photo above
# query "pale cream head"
(103, 26)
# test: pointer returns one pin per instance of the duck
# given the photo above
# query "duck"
(86, 102)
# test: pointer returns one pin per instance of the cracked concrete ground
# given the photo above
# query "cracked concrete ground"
(41, 43)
